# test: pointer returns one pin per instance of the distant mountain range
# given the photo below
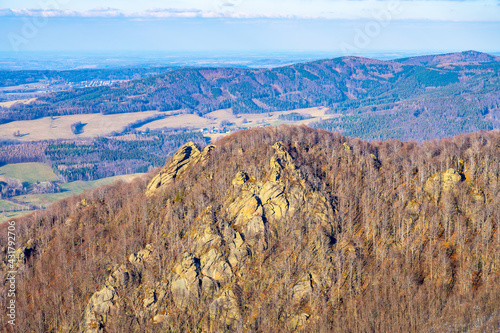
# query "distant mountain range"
(462, 58)
(413, 98)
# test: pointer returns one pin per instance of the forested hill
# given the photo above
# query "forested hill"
(458, 92)
(284, 229)
(463, 58)
(10, 78)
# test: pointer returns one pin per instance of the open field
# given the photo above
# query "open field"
(269, 118)
(7, 205)
(68, 190)
(31, 86)
(4, 217)
(226, 114)
(182, 120)
(22, 101)
(60, 127)
(250, 120)
(216, 119)
(28, 172)
(49, 128)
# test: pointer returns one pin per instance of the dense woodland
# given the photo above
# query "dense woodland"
(90, 159)
(10, 78)
(421, 98)
(395, 237)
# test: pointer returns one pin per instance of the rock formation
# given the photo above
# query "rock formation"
(215, 262)
(186, 156)
(275, 229)
(442, 182)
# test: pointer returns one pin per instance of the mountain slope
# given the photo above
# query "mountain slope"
(457, 59)
(275, 229)
(450, 95)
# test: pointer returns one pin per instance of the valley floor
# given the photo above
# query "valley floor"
(22, 205)
(96, 125)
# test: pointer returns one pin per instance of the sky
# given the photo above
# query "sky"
(337, 26)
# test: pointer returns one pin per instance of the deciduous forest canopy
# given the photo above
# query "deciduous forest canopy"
(275, 229)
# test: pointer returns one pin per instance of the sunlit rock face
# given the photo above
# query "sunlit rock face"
(185, 157)
(221, 255)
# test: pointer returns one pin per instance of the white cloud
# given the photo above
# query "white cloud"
(150, 13)
(97, 12)
(436, 10)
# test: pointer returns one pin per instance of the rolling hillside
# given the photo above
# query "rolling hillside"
(430, 96)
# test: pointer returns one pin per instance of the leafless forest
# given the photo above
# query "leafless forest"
(382, 236)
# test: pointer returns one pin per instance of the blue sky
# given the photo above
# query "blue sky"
(338, 26)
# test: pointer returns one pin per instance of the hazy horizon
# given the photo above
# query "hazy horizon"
(65, 60)
(336, 27)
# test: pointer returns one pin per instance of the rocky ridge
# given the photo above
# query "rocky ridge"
(211, 268)
(186, 156)
(230, 238)
(287, 229)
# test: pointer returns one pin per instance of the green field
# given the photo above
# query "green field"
(4, 217)
(67, 190)
(70, 189)
(28, 172)
(6, 205)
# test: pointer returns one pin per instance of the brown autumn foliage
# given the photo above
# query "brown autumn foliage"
(402, 249)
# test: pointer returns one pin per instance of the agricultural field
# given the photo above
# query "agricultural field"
(72, 188)
(31, 173)
(98, 125)
(10, 210)
(191, 121)
(10, 206)
(52, 128)
(7, 216)
(20, 101)
(226, 118)
(45, 200)
(28, 172)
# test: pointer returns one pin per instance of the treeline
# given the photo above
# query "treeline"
(411, 244)
(112, 156)
(408, 124)
(19, 77)
(15, 152)
(141, 122)
(91, 159)
(12, 187)
(77, 128)
(294, 116)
